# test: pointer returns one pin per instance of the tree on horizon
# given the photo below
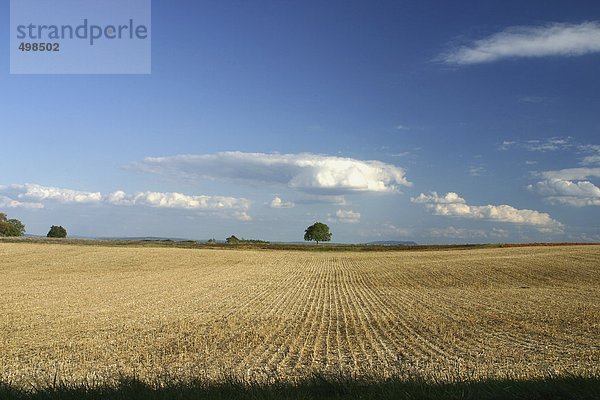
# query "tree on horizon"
(319, 232)
(57, 232)
(10, 227)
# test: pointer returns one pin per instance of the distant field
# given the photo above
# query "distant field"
(308, 246)
(92, 314)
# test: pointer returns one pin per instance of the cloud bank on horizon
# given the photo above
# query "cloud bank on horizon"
(235, 207)
(320, 179)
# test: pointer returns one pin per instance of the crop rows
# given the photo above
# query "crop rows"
(91, 314)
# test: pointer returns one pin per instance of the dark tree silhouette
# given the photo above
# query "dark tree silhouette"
(319, 232)
(57, 232)
(11, 227)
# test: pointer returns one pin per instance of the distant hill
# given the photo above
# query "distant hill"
(392, 243)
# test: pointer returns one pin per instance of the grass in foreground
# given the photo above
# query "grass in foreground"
(550, 388)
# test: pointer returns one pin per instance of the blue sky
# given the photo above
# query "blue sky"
(425, 121)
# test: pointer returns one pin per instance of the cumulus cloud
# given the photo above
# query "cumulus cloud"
(177, 200)
(555, 39)
(39, 192)
(7, 202)
(278, 203)
(576, 194)
(306, 172)
(228, 206)
(347, 216)
(452, 205)
(559, 187)
(573, 201)
(449, 198)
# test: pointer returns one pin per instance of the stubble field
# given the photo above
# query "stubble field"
(93, 314)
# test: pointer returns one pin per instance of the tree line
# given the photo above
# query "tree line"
(15, 228)
(317, 232)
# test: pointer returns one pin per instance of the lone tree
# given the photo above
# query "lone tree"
(57, 232)
(319, 232)
(11, 227)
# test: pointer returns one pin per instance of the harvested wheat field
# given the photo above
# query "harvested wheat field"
(93, 314)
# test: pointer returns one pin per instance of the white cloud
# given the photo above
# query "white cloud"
(572, 174)
(305, 172)
(452, 205)
(549, 144)
(449, 198)
(119, 198)
(564, 144)
(559, 187)
(476, 170)
(7, 202)
(576, 194)
(463, 233)
(347, 216)
(242, 216)
(177, 201)
(278, 203)
(573, 201)
(507, 144)
(39, 192)
(226, 206)
(402, 127)
(590, 160)
(556, 39)
(594, 148)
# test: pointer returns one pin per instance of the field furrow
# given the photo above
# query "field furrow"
(92, 313)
